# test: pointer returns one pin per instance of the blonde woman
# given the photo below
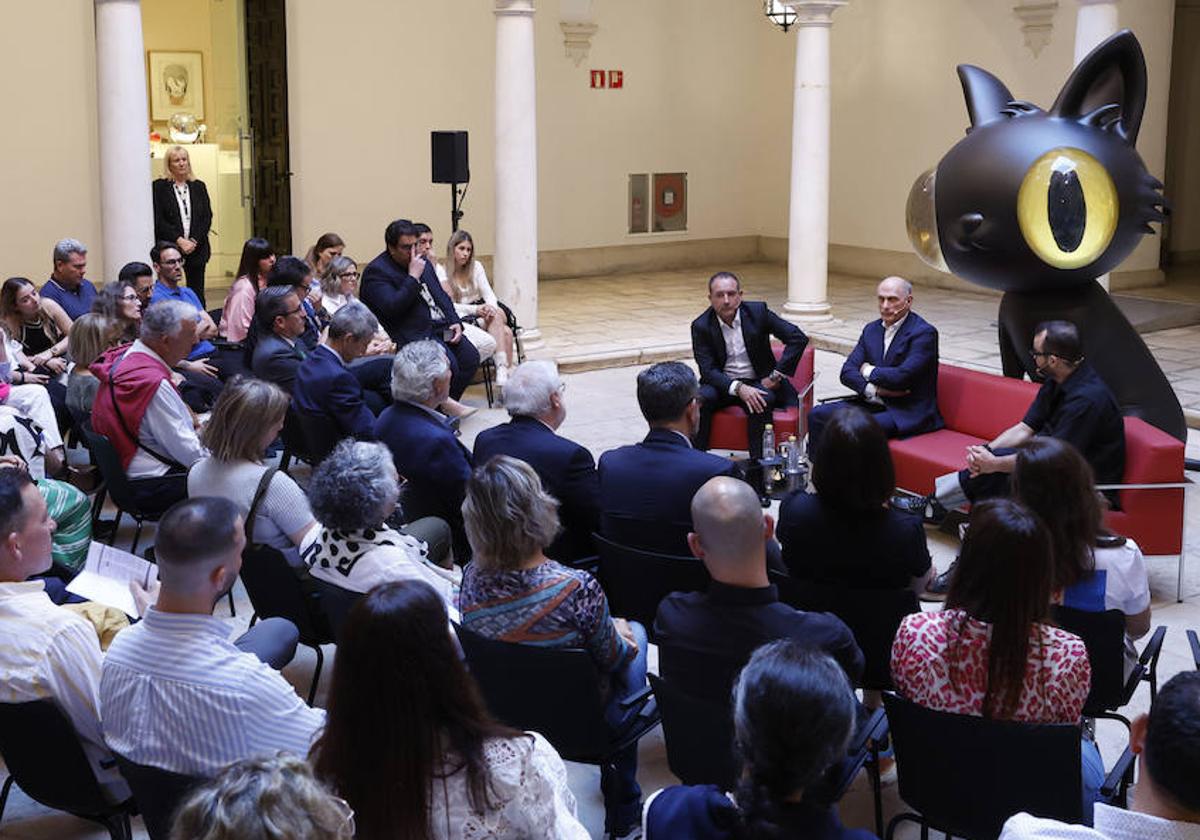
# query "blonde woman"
(183, 216)
(246, 419)
(467, 284)
(339, 286)
(91, 335)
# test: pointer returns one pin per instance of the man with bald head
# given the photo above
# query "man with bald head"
(716, 631)
(892, 369)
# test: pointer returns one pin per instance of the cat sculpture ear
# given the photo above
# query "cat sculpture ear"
(1108, 88)
(987, 97)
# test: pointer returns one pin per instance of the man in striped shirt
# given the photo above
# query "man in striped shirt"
(48, 651)
(175, 693)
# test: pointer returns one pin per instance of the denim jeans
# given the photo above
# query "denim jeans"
(1093, 777)
(622, 795)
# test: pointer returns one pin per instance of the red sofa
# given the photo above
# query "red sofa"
(978, 406)
(729, 424)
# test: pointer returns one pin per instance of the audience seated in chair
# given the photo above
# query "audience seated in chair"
(67, 286)
(327, 387)
(31, 402)
(237, 313)
(1166, 801)
(646, 488)
(202, 356)
(846, 534)
(91, 335)
(793, 715)
(278, 351)
(38, 330)
(120, 300)
(403, 291)
(534, 397)
(1095, 570)
(48, 651)
(140, 410)
(354, 493)
(424, 448)
(514, 593)
(245, 421)
(296, 274)
(264, 798)
(991, 651)
(175, 693)
(485, 321)
(741, 609)
(410, 744)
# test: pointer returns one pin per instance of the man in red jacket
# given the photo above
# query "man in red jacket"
(139, 409)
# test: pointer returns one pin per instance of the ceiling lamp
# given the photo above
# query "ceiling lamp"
(779, 13)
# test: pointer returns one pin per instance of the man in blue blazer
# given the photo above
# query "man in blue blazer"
(534, 399)
(426, 452)
(403, 291)
(731, 342)
(893, 369)
(327, 390)
(646, 488)
(280, 321)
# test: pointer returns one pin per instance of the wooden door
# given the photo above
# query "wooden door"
(266, 71)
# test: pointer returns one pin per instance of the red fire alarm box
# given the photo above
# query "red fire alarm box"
(616, 79)
(599, 78)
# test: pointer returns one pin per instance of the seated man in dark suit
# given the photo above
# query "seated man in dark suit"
(279, 318)
(296, 273)
(403, 291)
(326, 388)
(534, 399)
(893, 369)
(427, 453)
(719, 629)
(646, 488)
(731, 342)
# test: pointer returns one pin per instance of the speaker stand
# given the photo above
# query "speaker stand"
(455, 203)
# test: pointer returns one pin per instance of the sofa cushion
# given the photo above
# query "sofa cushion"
(981, 404)
(922, 458)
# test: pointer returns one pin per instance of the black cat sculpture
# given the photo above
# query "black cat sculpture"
(1040, 203)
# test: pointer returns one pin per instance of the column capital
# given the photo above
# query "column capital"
(1098, 2)
(514, 7)
(577, 38)
(814, 12)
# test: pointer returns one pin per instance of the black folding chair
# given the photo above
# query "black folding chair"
(635, 581)
(319, 434)
(1104, 635)
(277, 589)
(873, 616)
(295, 443)
(699, 736)
(43, 755)
(116, 484)
(1195, 643)
(336, 603)
(158, 794)
(965, 775)
(556, 692)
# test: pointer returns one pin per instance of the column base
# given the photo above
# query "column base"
(807, 313)
(531, 339)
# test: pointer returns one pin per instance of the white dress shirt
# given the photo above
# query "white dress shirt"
(166, 428)
(51, 652)
(175, 693)
(889, 332)
(737, 358)
(1110, 824)
(183, 198)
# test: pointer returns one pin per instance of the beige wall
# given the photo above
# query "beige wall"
(48, 154)
(181, 26)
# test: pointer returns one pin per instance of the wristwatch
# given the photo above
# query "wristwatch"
(775, 376)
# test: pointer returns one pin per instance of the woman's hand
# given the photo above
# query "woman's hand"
(56, 364)
(186, 246)
(31, 378)
(40, 359)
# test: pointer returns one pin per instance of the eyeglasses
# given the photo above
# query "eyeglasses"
(1038, 354)
(299, 308)
(130, 296)
(346, 275)
(178, 261)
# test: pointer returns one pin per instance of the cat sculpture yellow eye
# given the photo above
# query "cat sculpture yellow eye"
(1067, 208)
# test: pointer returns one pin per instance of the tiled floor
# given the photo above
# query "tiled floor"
(603, 413)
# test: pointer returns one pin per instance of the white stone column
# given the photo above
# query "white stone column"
(1095, 21)
(808, 212)
(123, 118)
(515, 266)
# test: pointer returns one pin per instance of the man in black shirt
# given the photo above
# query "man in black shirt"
(1073, 405)
(705, 638)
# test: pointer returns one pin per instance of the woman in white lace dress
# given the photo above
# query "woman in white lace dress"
(410, 745)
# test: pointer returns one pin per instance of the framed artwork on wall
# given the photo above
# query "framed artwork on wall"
(176, 84)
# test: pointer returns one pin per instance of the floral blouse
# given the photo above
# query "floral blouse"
(1057, 674)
